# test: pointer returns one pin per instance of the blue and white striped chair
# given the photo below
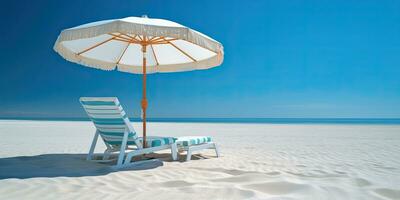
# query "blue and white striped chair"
(114, 127)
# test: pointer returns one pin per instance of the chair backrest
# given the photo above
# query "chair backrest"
(109, 119)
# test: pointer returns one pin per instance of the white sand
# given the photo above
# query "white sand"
(45, 160)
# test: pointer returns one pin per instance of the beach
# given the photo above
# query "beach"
(46, 160)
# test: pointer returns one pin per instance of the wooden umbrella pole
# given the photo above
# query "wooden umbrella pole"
(144, 100)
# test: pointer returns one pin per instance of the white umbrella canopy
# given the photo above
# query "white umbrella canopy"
(139, 45)
(117, 44)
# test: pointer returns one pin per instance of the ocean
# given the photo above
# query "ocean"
(365, 121)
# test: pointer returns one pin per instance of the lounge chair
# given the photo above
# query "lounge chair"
(114, 127)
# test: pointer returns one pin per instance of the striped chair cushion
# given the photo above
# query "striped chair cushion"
(192, 140)
(152, 141)
(155, 141)
(109, 118)
(112, 138)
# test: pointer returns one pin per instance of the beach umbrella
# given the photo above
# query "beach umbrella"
(139, 45)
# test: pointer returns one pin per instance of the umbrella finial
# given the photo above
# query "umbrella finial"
(144, 16)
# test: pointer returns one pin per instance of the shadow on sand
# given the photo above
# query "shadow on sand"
(74, 165)
(63, 165)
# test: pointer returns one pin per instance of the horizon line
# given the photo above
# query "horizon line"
(365, 121)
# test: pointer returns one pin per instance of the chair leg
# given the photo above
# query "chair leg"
(93, 146)
(174, 151)
(138, 152)
(189, 155)
(122, 150)
(216, 150)
(107, 154)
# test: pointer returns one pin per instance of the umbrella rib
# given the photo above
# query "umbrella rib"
(129, 39)
(122, 40)
(154, 53)
(186, 54)
(129, 36)
(151, 38)
(96, 45)
(120, 36)
(154, 38)
(161, 38)
(122, 55)
(164, 41)
(132, 38)
(123, 34)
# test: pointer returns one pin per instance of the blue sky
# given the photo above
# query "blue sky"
(282, 59)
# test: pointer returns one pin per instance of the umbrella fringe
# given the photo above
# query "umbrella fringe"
(93, 63)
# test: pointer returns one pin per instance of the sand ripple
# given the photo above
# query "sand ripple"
(259, 161)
